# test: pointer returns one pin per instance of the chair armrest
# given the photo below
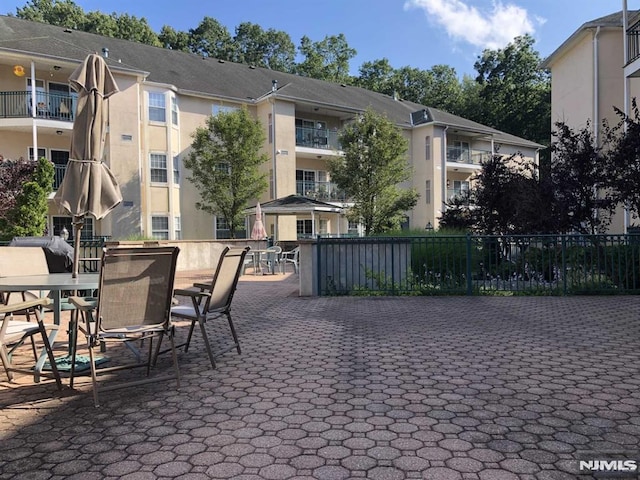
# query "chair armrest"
(15, 307)
(203, 286)
(190, 293)
(84, 303)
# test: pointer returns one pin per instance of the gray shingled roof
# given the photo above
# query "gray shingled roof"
(194, 74)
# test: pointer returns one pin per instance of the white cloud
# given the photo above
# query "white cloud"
(492, 29)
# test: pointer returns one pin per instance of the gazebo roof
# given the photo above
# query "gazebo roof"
(292, 204)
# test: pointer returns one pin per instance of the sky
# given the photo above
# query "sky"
(415, 33)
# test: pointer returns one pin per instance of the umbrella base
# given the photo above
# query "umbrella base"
(82, 363)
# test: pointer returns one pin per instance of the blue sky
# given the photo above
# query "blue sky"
(418, 33)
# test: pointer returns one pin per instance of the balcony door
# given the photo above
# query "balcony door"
(61, 100)
(41, 97)
(60, 158)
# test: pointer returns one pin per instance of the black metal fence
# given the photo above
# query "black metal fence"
(90, 253)
(479, 265)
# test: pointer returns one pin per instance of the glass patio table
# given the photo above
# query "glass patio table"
(56, 283)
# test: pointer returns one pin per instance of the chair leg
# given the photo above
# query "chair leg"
(52, 358)
(174, 355)
(4, 357)
(94, 375)
(188, 342)
(206, 342)
(233, 332)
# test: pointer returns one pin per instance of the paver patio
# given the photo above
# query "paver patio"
(472, 388)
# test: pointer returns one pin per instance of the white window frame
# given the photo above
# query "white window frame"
(177, 228)
(160, 232)
(427, 147)
(156, 156)
(155, 105)
(427, 192)
(174, 110)
(44, 152)
(216, 109)
(176, 170)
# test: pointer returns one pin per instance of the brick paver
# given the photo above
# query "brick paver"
(352, 387)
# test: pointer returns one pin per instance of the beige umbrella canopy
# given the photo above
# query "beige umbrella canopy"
(88, 186)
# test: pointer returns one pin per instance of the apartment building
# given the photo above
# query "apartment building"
(165, 95)
(594, 71)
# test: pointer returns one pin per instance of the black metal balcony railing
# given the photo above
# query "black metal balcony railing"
(323, 191)
(317, 138)
(633, 42)
(56, 106)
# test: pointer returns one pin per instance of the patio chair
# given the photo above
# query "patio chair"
(290, 257)
(211, 301)
(134, 303)
(14, 333)
(271, 258)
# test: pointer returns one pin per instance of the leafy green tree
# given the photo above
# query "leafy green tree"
(580, 173)
(64, 13)
(373, 166)
(224, 163)
(327, 59)
(270, 49)
(24, 203)
(211, 39)
(515, 92)
(376, 76)
(174, 40)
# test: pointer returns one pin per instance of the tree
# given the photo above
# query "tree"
(211, 39)
(224, 164)
(326, 60)
(270, 49)
(624, 157)
(23, 203)
(373, 166)
(174, 40)
(515, 92)
(580, 173)
(64, 13)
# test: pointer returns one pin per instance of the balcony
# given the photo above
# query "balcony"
(321, 138)
(466, 156)
(633, 42)
(58, 175)
(323, 191)
(54, 106)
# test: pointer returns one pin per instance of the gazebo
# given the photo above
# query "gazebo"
(298, 205)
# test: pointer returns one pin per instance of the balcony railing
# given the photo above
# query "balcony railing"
(323, 191)
(58, 175)
(317, 138)
(56, 106)
(464, 155)
(633, 42)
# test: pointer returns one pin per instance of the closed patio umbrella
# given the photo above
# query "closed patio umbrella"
(88, 186)
(258, 232)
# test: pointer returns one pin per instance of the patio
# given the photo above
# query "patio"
(488, 388)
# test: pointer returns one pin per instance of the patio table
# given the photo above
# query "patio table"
(56, 283)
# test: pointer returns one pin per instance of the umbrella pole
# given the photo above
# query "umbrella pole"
(78, 223)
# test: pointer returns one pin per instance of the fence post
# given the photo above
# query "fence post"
(564, 264)
(469, 282)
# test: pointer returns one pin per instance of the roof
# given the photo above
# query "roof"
(196, 75)
(613, 20)
(292, 204)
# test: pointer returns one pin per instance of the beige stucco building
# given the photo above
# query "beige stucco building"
(592, 72)
(165, 95)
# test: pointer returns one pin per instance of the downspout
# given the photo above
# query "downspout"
(596, 96)
(444, 171)
(274, 152)
(625, 52)
(34, 112)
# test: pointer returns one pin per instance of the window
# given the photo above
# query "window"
(176, 169)
(157, 107)
(42, 152)
(66, 222)
(160, 228)
(304, 228)
(323, 226)
(158, 163)
(427, 192)
(223, 167)
(460, 188)
(270, 128)
(222, 228)
(177, 228)
(216, 109)
(271, 189)
(60, 158)
(174, 110)
(427, 148)
(353, 228)
(305, 182)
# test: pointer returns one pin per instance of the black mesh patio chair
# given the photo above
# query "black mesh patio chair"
(213, 300)
(134, 303)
